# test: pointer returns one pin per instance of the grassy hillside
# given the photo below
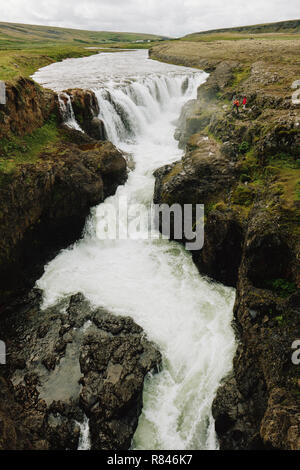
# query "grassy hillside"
(24, 62)
(14, 35)
(282, 29)
(25, 48)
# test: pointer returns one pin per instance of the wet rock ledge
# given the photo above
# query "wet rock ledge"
(66, 363)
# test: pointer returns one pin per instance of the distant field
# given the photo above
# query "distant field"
(212, 37)
(280, 30)
(246, 52)
(20, 36)
(16, 63)
(26, 48)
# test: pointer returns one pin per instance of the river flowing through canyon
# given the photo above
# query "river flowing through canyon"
(145, 276)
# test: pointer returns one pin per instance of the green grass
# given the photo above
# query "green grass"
(297, 190)
(283, 160)
(240, 75)
(243, 195)
(282, 287)
(14, 64)
(211, 37)
(27, 149)
(244, 147)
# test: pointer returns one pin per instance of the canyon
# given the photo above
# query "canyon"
(234, 166)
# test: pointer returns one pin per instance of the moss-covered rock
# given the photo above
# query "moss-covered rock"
(27, 107)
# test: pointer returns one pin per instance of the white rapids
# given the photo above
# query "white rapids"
(154, 281)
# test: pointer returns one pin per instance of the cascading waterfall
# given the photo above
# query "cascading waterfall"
(128, 110)
(151, 279)
(67, 111)
(84, 440)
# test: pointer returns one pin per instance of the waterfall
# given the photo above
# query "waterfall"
(67, 112)
(127, 111)
(84, 438)
(150, 279)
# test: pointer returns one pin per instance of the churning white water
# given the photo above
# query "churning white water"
(67, 111)
(84, 439)
(152, 280)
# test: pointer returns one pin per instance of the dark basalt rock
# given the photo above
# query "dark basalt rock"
(44, 205)
(99, 371)
(199, 178)
(114, 359)
(86, 111)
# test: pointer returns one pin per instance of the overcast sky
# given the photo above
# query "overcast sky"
(167, 17)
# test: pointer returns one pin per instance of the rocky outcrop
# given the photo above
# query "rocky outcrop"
(194, 118)
(67, 362)
(50, 176)
(202, 176)
(86, 110)
(27, 107)
(44, 204)
(251, 242)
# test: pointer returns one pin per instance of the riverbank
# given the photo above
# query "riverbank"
(245, 169)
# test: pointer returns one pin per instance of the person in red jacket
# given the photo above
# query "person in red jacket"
(244, 102)
(236, 105)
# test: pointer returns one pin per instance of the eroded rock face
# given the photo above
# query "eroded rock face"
(86, 110)
(44, 205)
(27, 107)
(249, 411)
(197, 114)
(281, 419)
(200, 178)
(67, 361)
(194, 117)
(114, 359)
(217, 81)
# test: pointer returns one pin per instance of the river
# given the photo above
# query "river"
(152, 280)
